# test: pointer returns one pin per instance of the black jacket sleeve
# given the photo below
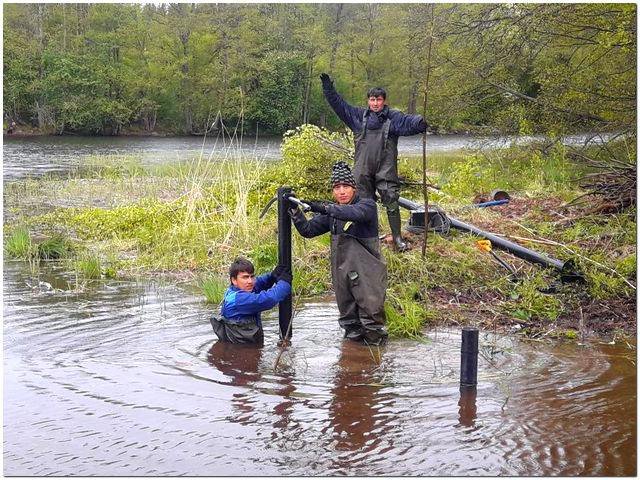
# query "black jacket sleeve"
(318, 225)
(364, 211)
(350, 115)
(403, 124)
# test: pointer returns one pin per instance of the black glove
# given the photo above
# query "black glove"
(286, 276)
(293, 212)
(327, 83)
(277, 271)
(317, 207)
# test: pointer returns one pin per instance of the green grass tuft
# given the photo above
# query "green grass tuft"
(89, 267)
(213, 289)
(54, 248)
(18, 244)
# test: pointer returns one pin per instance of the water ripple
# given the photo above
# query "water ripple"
(135, 384)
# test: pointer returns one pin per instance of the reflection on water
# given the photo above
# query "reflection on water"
(127, 379)
(467, 404)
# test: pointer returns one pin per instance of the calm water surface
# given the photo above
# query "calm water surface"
(124, 378)
(34, 156)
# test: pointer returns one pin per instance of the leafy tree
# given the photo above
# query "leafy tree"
(106, 68)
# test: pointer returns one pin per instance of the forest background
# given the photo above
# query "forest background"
(111, 69)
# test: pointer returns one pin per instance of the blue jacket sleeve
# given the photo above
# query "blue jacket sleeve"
(263, 282)
(350, 115)
(364, 211)
(318, 225)
(250, 303)
(403, 124)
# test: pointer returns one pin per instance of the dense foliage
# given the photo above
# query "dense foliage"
(112, 68)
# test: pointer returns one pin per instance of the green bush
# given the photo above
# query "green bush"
(264, 257)
(514, 168)
(307, 158)
(146, 222)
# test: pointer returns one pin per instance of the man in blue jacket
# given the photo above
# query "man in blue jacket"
(376, 131)
(245, 298)
(358, 271)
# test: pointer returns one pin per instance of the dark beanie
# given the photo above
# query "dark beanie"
(341, 174)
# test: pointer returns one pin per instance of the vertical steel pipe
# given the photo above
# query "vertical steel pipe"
(285, 308)
(469, 356)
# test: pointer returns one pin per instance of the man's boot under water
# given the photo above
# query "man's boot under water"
(375, 336)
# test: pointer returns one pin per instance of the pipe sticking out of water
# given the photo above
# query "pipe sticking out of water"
(469, 357)
(285, 308)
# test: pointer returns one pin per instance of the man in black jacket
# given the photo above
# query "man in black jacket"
(358, 271)
(376, 131)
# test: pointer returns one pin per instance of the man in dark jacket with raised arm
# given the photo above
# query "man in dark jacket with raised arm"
(376, 131)
(358, 271)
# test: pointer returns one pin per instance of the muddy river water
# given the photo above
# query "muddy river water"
(120, 378)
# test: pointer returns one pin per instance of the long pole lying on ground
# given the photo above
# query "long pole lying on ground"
(285, 308)
(566, 268)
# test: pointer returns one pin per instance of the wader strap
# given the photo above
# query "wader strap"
(385, 131)
(364, 122)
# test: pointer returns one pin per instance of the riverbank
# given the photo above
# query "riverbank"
(190, 220)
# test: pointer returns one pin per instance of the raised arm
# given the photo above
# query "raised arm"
(350, 115)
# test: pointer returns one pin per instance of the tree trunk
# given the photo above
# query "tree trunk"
(184, 83)
(41, 108)
(336, 37)
(425, 191)
(353, 73)
(64, 28)
(307, 90)
(188, 119)
(413, 98)
(372, 21)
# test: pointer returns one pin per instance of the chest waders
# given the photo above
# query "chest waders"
(244, 330)
(360, 281)
(376, 168)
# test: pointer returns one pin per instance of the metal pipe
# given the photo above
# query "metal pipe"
(300, 203)
(497, 241)
(285, 307)
(469, 356)
(514, 248)
(492, 203)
